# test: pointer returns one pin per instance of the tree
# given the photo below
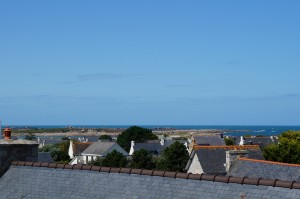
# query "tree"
(287, 150)
(142, 159)
(59, 151)
(229, 141)
(138, 134)
(114, 159)
(174, 158)
(105, 137)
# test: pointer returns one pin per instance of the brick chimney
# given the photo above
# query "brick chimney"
(7, 134)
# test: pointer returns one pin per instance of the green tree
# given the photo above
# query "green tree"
(229, 141)
(59, 151)
(138, 134)
(174, 158)
(287, 150)
(142, 159)
(105, 137)
(114, 159)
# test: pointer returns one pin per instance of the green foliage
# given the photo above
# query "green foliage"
(174, 158)
(138, 134)
(142, 159)
(229, 141)
(112, 159)
(65, 138)
(288, 149)
(59, 151)
(105, 137)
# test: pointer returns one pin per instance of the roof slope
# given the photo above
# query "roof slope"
(264, 169)
(34, 182)
(44, 157)
(209, 140)
(102, 148)
(79, 147)
(213, 158)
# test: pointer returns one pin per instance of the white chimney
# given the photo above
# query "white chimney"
(242, 141)
(233, 155)
(132, 148)
(71, 151)
(162, 142)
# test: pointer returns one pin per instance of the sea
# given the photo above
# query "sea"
(231, 130)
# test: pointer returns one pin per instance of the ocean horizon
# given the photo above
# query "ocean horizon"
(235, 130)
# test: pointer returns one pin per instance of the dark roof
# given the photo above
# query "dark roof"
(264, 169)
(213, 158)
(102, 148)
(67, 181)
(79, 147)
(44, 157)
(50, 141)
(209, 140)
(261, 141)
(154, 146)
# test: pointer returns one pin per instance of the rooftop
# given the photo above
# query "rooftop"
(213, 158)
(265, 169)
(32, 180)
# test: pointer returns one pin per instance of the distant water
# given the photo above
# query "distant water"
(234, 130)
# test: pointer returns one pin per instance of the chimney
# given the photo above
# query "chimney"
(71, 150)
(7, 134)
(162, 142)
(242, 141)
(132, 148)
(233, 155)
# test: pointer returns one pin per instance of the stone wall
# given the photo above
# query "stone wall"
(20, 150)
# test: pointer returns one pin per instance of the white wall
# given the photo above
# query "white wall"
(195, 167)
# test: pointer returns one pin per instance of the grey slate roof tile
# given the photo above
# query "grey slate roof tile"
(245, 167)
(102, 148)
(63, 183)
(209, 140)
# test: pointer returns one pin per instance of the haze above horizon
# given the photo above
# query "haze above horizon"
(138, 62)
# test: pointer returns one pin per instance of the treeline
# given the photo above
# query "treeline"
(173, 158)
(287, 150)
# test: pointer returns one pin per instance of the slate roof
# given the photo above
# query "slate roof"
(209, 140)
(213, 158)
(154, 146)
(44, 157)
(102, 148)
(264, 169)
(79, 147)
(79, 182)
(261, 141)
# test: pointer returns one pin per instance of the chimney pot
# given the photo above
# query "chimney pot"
(7, 133)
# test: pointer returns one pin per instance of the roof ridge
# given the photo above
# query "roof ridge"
(269, 162)
(170, 174)
(236, 147)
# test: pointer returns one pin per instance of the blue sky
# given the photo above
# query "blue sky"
(150, 62)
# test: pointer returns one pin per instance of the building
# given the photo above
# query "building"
(217, 159)
(95, 150)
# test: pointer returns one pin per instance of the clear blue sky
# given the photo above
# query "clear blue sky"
(150, 62)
